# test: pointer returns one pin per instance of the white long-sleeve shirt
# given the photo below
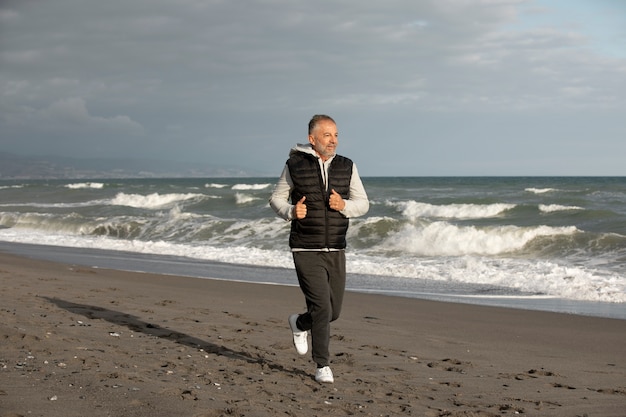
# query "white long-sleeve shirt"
(357, 205)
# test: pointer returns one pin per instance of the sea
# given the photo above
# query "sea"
(540, 243)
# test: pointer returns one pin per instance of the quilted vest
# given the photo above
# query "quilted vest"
(322, 227)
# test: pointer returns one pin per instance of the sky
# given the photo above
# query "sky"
(417, 88)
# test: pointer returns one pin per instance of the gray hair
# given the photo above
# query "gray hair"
(316, 119)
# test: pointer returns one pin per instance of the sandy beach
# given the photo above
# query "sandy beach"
(80, 341)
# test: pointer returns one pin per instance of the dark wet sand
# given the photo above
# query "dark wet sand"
(79, 341)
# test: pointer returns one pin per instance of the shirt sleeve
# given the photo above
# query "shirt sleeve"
(279, 200)
(358, 204)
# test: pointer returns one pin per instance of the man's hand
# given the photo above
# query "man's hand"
(335, 201)
(299, 210)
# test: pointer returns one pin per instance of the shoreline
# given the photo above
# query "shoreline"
(452, 292)
(103, 342)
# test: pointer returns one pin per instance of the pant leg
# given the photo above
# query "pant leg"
(321, 276)
(337, 279)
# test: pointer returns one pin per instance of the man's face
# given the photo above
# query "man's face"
(324, 139)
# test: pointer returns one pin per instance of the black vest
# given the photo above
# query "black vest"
(322, 227)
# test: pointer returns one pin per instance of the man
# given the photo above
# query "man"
(318, 191)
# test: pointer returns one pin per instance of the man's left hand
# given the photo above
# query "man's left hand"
(335, 201)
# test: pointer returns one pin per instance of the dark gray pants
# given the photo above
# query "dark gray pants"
(322, 279)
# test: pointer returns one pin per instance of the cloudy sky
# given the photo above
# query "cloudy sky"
(429, 87)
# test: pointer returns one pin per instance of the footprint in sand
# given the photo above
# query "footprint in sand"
(450, 365)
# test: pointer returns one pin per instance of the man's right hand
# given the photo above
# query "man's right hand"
(299, 210)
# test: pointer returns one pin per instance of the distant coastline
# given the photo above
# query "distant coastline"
(19, 167)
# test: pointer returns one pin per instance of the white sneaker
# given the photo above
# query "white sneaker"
(324, 375)
(299, 336)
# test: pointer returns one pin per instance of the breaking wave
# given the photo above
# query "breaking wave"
(152, 201)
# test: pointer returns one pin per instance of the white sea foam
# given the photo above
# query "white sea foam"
(250, 186)
(151, 201)
(5, 187)
(414, 209)
(547, 278)
(247, 233)
(59, 205)
(241, 198)
(550, 208)
(543, 277)
(398, 244)
(40, 222)
(177, 214)
(80, 185)
(234, 254)
(445, 239)
(540, 190)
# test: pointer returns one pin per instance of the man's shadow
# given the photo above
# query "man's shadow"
(137, 325)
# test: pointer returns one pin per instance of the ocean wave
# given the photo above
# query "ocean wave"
(120, 230)
(6, 187)
(152, 201)
(445, 239)
(59, 205)
(214, 185)
(542, 278)
(414, 209)
(43, 222)
(244, 198)
(462, 231)
(541, 190)
(550, 208)
(81, 185)
(534, 277)
(246, 187)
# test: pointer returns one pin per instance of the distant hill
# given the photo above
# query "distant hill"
(54, 167)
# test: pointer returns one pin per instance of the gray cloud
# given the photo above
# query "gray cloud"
(419, 88)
